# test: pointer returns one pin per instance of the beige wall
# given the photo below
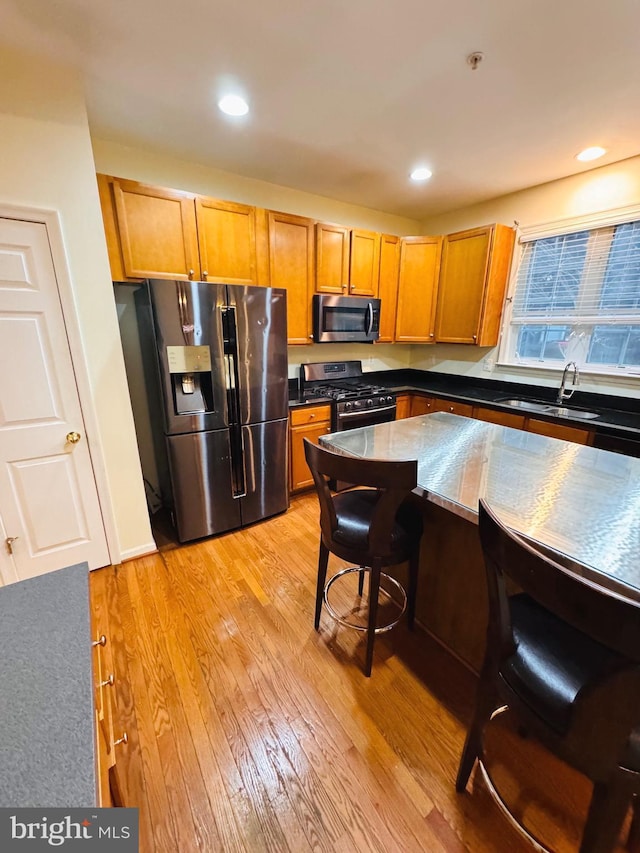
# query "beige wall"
(46, 162)
(153, 168)
(608, 187)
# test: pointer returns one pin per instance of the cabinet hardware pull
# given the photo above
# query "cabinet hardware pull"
(9, 543)
(124, 739)
(101, 642)
(108, 682)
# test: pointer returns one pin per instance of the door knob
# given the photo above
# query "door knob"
(9, 543)
(73, 437)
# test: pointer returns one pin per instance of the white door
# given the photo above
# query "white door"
(48, 499)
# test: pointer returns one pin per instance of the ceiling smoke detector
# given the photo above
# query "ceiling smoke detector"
(474, 59)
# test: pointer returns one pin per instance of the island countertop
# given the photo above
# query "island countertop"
(580, 502)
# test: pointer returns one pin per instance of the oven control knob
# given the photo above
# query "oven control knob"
(347, 406)
(369, 402)
(357, 404)
(389, 399)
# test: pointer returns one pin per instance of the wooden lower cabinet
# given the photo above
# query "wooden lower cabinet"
(421, 405)
(403, 406)
(109, 736)
(566, 433)
(309, 422)
(493, 416)
(463, 409)
(411, 405)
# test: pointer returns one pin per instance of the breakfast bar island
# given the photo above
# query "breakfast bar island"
(580, 504)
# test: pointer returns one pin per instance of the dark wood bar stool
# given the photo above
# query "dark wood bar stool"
(564, 656)
(372, 527)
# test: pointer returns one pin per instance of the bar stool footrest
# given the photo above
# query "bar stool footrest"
(345, 622)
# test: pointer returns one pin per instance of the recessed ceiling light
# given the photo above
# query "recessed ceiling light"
(421, 174)
(591, 153)
(233, 105)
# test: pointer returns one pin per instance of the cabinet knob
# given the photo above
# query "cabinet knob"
(450, 408)
(204, 274)
(108, 682)
(312, 415)
(431, 335)
(475, 338)
(192, 273)
(310, 337)
(124, 739)
(100, 642)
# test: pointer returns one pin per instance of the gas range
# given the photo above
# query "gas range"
(344, 383)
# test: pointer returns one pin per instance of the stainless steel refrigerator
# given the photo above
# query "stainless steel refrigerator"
(221, 357)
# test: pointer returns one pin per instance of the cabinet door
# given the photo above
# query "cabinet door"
(157, 231)
(465, 260)
(291, 266)
(417, 286)
(566, 433)
(388, 286)
(332, 258)
(454, 408)
(403, 407)
(473, 281)
(300, 474)
(493, 416)
(364, 263)
(421, 405)
(227, 241)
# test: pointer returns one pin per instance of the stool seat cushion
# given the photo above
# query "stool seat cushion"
(553, 662)
(354, 510)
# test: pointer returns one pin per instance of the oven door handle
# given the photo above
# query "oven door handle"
(369, 318)
(361, 412)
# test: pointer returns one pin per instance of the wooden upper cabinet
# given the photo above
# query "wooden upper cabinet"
(364, 263)
(227, 240)
(417, 288)
(473, 281)
(332, 258)
(156, 229)
(388, 286)
(291, 257)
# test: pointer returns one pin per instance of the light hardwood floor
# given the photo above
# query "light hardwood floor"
(249, 731)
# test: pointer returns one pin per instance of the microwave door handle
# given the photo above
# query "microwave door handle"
(369, 318)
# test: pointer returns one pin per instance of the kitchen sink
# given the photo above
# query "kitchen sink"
(549, 409)
(530, 405)
(564, 412)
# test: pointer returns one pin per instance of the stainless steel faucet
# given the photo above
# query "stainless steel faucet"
(566, 395)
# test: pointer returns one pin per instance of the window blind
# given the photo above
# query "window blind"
(577, 295)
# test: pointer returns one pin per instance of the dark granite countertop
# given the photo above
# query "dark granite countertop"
(617, 415)
(47, 744)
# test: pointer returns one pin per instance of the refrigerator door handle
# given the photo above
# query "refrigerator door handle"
(238, 468)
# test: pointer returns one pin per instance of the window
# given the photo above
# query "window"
(577, 298)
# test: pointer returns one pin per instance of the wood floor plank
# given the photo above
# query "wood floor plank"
(250, 731)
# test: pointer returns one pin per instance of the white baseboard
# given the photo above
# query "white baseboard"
(138, 551)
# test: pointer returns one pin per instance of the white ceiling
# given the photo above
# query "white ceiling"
(348, 95)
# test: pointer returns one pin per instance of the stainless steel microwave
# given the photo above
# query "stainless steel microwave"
(345, 319)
